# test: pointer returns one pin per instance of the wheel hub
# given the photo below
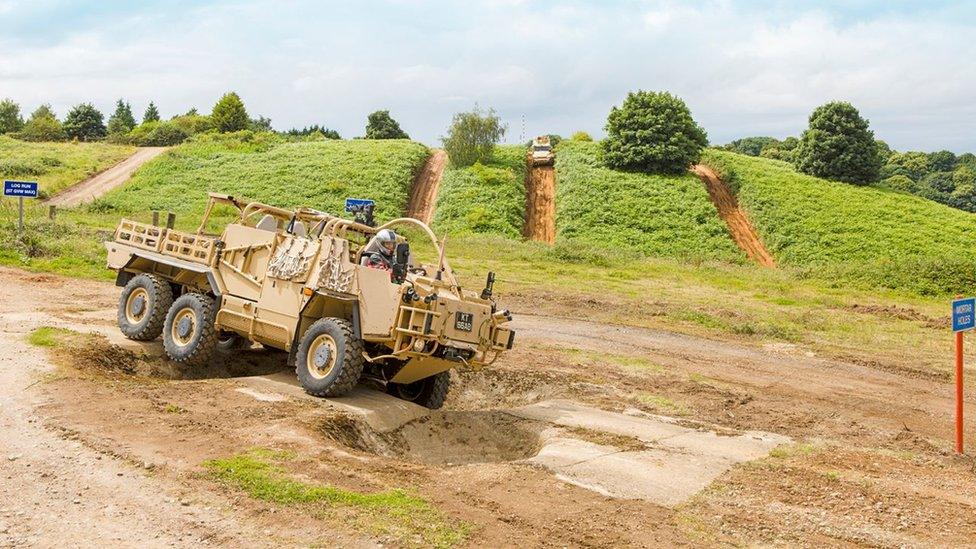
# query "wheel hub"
(322, 357)
(138, 305)
(184, 326)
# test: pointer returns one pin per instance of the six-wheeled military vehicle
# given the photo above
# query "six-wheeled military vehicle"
(295, 280)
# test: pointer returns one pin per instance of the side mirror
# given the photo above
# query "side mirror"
(401, 259)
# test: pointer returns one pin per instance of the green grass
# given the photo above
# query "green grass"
(57, 165)
(486, 198)
(661, 403)
(263, 167)
(853, 234)
(656, 215)
(392, 512)
(47, 336)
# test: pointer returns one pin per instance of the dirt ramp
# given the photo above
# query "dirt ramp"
(540, 203)
(423, 194)
(103, 182)
(743, 233)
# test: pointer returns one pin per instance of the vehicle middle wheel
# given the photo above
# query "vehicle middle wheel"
(329, 361)
(430, 392)
(189, 336)
(143, 306)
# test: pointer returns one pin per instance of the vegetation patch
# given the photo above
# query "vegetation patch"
(407, 517)
(56, 166)
(48, 336)
(484, 198)
(664, 215)
(836, 231)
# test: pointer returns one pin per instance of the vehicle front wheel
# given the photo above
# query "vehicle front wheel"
(329, 360)
(189, 335)
(143, 306)
(430, 391)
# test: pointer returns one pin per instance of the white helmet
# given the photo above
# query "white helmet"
(387, 240)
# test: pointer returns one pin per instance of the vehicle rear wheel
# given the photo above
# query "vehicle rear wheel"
(189, 335)
(430, 392)
(228, 342)
(143, 306)
(329, 360)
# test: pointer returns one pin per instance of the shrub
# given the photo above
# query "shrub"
(472, 136)
(151, 114)
(164, 135)
(900, 183)
(84, 123)
(652, 132)
(838, 145)
(326, 133)
(750, 145)
(229, 114)
(260, 124)
(380, 125)
(192, 124)
(42, 126)
(10, 119)
(581, 136)
(121, 120)
(485, 198)
(940, 181)
(784, 150)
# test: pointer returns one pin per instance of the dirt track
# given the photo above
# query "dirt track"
(540, 203)
(103, 182)
(873, 469)
(743, 233)
(423, 193)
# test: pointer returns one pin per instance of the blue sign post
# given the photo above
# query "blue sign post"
(21, 190)
(963, 318)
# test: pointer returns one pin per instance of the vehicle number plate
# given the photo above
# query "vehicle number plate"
(464, 321)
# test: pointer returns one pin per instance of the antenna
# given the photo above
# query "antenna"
(522, 135)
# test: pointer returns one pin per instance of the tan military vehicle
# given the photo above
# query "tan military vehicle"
(541, 152)
(296, 280)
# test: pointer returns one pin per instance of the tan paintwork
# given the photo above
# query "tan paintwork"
(273, 284)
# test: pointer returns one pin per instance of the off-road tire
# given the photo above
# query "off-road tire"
(229, 342)
(348, 359)
(430, 392)
(158, 297)
(201, 341)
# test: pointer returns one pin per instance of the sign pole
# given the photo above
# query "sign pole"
(959, 421)
(20, 217)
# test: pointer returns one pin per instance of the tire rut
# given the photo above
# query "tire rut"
(741, 229)
(540, 203)
(423, 192)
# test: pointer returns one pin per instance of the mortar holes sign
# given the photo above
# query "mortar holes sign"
(964, 314)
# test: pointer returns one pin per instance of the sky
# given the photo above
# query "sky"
(743, 67)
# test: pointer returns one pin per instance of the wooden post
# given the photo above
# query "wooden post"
(155, 218)
(52, 212)
(170, 220)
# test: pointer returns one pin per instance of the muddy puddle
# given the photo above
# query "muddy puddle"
(444, 438)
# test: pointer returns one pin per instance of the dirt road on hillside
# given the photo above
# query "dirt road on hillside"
(743, 233)
(423, 193)
(503, 457)
(103, 182)
(540, 203)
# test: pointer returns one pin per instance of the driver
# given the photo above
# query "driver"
(379, 254)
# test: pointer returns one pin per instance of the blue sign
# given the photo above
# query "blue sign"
(354, 205)
(963, 314)
(25, 189)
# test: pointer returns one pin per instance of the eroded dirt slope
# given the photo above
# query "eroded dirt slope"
(741, 229)
(540, 203)
(423, 193)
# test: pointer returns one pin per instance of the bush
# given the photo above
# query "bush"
(900, 183)
(750, 145)
(84, 123)
(380, 125)
(838, 145)
(42, 126)
(652, 132)
(581, 136)
(229, 114)
(472, 136)
(164, 135)
(485, 198)
(192, 124)
(314, 129)
(10, 119)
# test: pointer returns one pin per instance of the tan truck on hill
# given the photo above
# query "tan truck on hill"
(293, 280)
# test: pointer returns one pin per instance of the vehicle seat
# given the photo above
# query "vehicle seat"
(267, 223)
(299, 229)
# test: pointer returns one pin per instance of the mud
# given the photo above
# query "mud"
(741, 229)
(423, 192)
(540, 203)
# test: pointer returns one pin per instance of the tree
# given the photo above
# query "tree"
(314, 129)
(783, 150)
(751, 146)
(942, 161)
(121, 121)
(652, 132)
(229, 114)
(152, 113)
(838, 145)
(472, 136)
(581, 136)
(84, 123)
(260, 124)
(10, 119)
(43, 125)
(380, 125)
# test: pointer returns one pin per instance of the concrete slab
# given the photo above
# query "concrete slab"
(677, 463)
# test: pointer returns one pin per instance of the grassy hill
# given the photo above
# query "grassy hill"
(862, 234)
(57, 165)
(484, 199)
(263, 167)
(654, 215)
